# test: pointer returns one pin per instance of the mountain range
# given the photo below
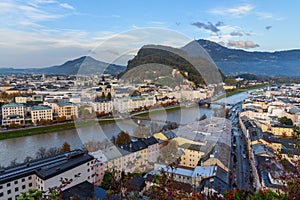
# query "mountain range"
(229, 61)
(82, 65)
(236, 61)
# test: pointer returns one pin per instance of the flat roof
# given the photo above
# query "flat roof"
(12, 105)
(46, 167)
(41, 107)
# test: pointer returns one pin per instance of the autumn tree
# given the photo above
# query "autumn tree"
(122, 138)
(65, 147)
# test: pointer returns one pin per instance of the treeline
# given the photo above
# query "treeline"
(42, 152)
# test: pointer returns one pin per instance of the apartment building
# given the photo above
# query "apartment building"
(128, 104)
(13, 113)
(41, 112)
(191, 154)
(282, 130)
(46, 173)
(66, 109)
(102, 106)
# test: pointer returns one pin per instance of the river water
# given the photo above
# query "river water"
(19, 148)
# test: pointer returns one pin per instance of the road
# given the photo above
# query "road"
(240, 166)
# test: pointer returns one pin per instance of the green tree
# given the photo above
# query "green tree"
(108, 97)
(230, 81)
(285, 120)
(32, 194)
(102, 96)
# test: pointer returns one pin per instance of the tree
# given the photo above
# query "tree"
(285, 120)
(65, 147)
(28, 159)
(108, 97)
(102, 96)
(32, 194)
(122, 138)
(230, 81)
(13, 163)
(61, 119)
(41, 153)
(53, 151)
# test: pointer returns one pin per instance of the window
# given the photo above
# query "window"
(8, 185)
(16, 189)
(1, 194)
(8, 191)
(1, 187)
(23, 179)
(16, 182)
(30, 184)
(23, 187)
(9, 198)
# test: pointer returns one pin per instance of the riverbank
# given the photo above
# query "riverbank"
(239, 90)
(50, 128)
(71, 125)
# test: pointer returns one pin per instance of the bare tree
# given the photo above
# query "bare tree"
(28, 158)
(53, 151)
(41, 153)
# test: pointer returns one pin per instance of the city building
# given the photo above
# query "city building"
(129, 104)
(41, 112)
(44, 174)
(66, 109)
(13, 113)
(102, 106)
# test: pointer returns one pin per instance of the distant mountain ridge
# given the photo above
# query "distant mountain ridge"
(229, 61)
(82, 65)
(236, 61)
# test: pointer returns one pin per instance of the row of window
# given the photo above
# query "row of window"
(15, 182)
(16, 189)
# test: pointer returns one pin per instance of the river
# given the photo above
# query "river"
(19, 148)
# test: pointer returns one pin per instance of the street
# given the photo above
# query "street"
(240, 166)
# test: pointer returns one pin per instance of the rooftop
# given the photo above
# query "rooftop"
(12, 105)
(47, 167)
(41, 107)
(62, 104)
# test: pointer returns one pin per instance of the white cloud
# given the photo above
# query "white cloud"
(67, 6)
(267, 15)
(20, 14)
(242, 44)
(235, 12)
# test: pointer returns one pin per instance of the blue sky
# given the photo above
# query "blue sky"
(39, 33)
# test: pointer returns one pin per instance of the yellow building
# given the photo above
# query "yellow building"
(21, 99)
(66, 109)
(191, 154)
(282, 130)
(41, 112)
(273, 145)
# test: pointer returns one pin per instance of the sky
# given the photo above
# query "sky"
(41, 33)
